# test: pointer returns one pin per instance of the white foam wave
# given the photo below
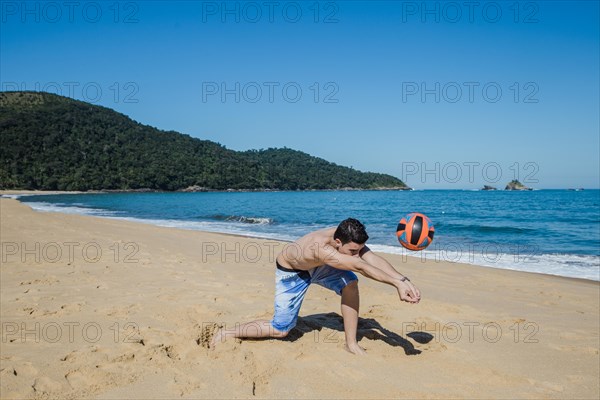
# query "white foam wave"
(569, 265)
(238, 226)
(53, 207)
(250, 220)
(210, 226)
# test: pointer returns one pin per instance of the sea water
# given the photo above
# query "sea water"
(546, 231)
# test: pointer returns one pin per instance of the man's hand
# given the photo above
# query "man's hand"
(408, 292)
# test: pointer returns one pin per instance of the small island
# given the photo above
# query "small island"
(516, 185)
(487, 187)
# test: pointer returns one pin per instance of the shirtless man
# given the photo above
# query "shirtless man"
(327, 257)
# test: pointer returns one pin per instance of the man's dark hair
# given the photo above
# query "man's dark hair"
(351, 230)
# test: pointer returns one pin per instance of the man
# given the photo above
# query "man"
(327, 257)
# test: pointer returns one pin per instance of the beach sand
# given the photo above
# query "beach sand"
(112, 309)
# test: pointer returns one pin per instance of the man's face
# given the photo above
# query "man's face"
(350, 248)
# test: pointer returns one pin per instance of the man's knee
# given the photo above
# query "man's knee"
(352, 287)
(279, 334)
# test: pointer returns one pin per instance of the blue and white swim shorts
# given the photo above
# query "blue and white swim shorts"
(291, 286)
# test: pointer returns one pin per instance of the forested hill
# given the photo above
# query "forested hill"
(50, 142)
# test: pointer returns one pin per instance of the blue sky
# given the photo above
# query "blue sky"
(439, 94)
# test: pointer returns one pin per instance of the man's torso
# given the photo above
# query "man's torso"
(307, 252)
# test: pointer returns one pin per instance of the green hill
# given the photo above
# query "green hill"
(50, 142)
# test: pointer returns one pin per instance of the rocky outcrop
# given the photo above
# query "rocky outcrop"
(516, 185)
(486, 187)
(194, 188)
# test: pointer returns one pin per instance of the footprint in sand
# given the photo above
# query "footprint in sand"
(17, 379)
(78, 380)
(162, 353)
(89, 355)
(45, 386)
(185, 384)
(90, 379)
(207, 334)
(20, 369)
(72, 356)
(127, 357)
(173, 352)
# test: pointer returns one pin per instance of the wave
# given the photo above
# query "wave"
(68, 209)
(569, 265)
(465, 241)
(484, 228)
(243, 219)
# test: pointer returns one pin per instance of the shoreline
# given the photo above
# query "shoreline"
(429, 258)
(148, 321)
(201, 190)
(241, 236)
(18, 192)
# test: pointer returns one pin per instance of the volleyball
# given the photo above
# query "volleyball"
(415, 231)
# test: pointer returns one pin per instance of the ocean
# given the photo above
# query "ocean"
(545, 231)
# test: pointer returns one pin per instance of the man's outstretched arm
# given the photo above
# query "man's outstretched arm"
(381, 263)
(341, 261)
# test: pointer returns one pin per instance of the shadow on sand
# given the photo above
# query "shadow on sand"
(367, 328)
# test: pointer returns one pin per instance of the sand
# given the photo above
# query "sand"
(111, 309)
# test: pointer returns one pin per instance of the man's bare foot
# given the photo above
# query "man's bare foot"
(355, 349)
(218, 337)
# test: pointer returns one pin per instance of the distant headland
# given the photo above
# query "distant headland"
(51, 142)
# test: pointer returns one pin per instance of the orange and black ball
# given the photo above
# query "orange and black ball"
(415, 231)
